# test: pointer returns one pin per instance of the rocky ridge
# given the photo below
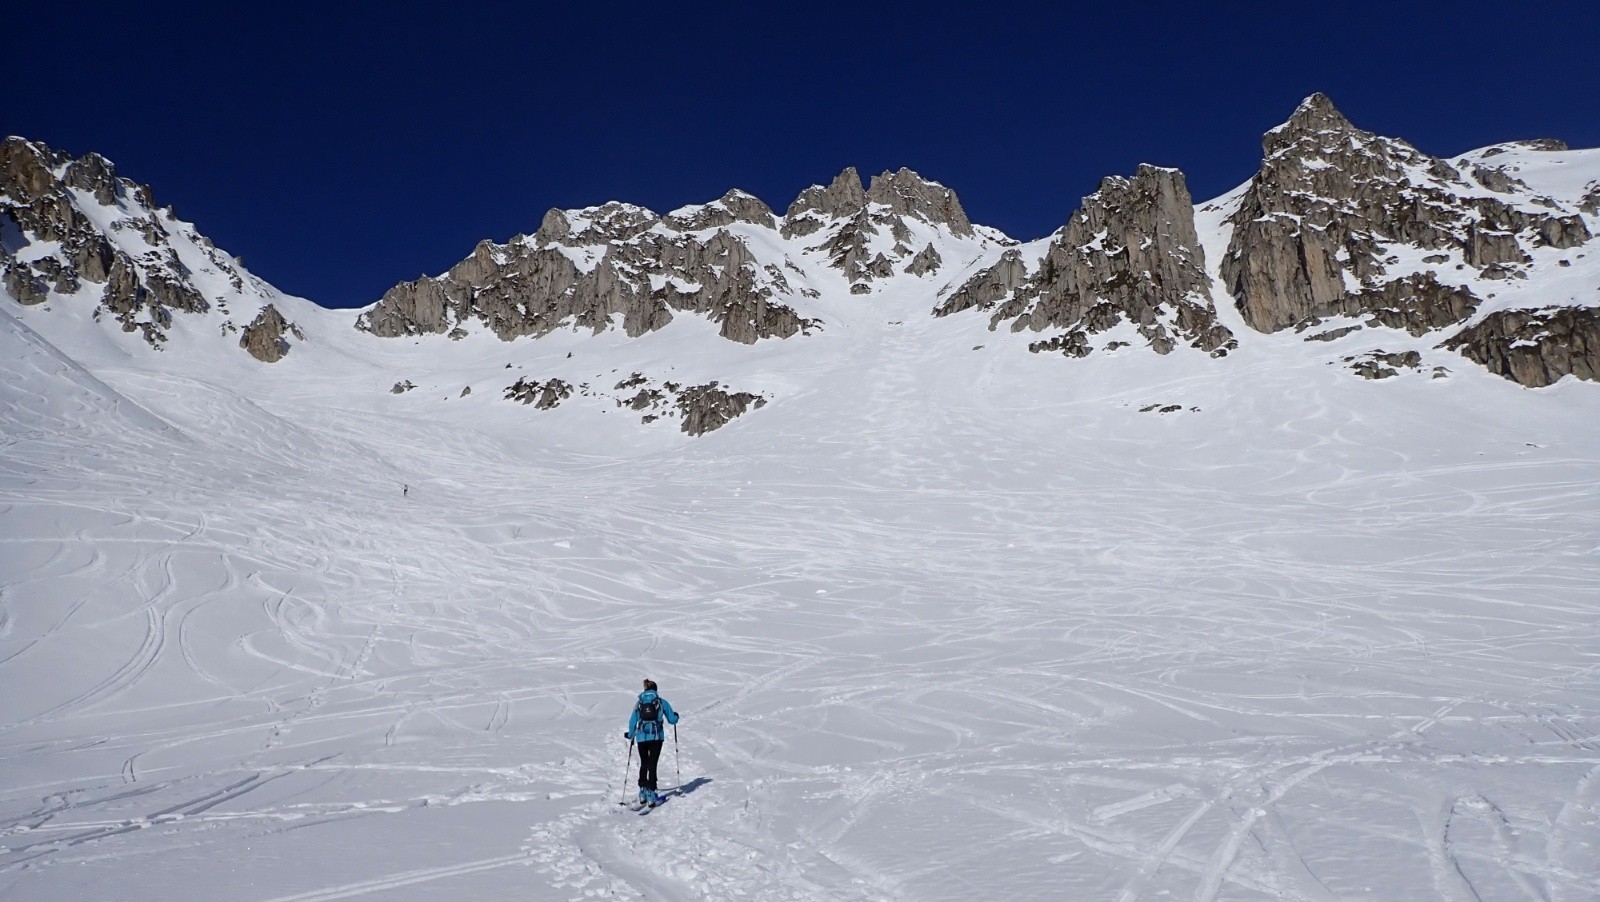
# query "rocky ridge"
(1339, 233)
(75, 229)
(585, 268)
(589, 268)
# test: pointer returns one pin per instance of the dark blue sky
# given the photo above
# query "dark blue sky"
(341, 148)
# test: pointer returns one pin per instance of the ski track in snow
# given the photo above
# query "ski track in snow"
(980, 633)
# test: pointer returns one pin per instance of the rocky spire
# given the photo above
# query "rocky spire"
(816, 205)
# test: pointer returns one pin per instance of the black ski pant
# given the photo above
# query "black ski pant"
(649, 754)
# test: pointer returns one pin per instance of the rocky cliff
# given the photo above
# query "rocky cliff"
(1535, 347)
(1130, 254)
(1343, 223)
(75, 230)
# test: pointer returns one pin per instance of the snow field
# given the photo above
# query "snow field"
(945, 619)
(958, 624)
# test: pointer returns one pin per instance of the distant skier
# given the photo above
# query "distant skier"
(647, 727)
(405, 491)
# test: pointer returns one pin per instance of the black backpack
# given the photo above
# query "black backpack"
(650, 711)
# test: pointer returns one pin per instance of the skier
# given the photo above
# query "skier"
(647, 727)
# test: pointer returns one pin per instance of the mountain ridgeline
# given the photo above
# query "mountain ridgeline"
(1340, 232)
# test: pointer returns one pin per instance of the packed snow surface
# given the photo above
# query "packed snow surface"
(944, 620)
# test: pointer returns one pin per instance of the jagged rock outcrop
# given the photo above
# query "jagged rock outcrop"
(1591, 200)
(698, 408)
(811, 211)
(1535, 347)
(584, 267)
(542, 395)
(926, 261)
(1383, 364)
(905, 193)
(709, 406)
(1129, 254)
(595, 267)
(867, 234)
(143, 267)
(1417, 303)
(1314, 230)
(267, 336)
(735, 206)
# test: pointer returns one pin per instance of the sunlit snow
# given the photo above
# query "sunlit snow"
(945, 620)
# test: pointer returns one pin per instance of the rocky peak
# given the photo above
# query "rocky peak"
(907, 194)
(1316, 119)
(843, 197)
(554, 228)
(1130, 254)
(611, 221)
(735, 206)
(1316, 228)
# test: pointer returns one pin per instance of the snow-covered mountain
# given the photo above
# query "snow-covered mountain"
(1089, 567)
(1341, 231)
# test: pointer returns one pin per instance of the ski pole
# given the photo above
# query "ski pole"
(627, 766)
(675, 768)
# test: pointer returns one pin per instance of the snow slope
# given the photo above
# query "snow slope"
(946, 620)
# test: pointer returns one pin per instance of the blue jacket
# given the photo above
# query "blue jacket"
(650, 730)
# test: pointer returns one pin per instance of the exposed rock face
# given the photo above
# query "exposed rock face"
(816, 205)
(1129, 254)
(1535, 347)
(266, 338)
(1591, 200)
(1384, 365)
(1417, 303)
(542, 395)
(582, 268)
(925, 262)
(699, 408)
(1314, 229)
(143, 269)
(907, 194)
(868, 235)
(586, 268)
(707, 407)
(735, 206)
